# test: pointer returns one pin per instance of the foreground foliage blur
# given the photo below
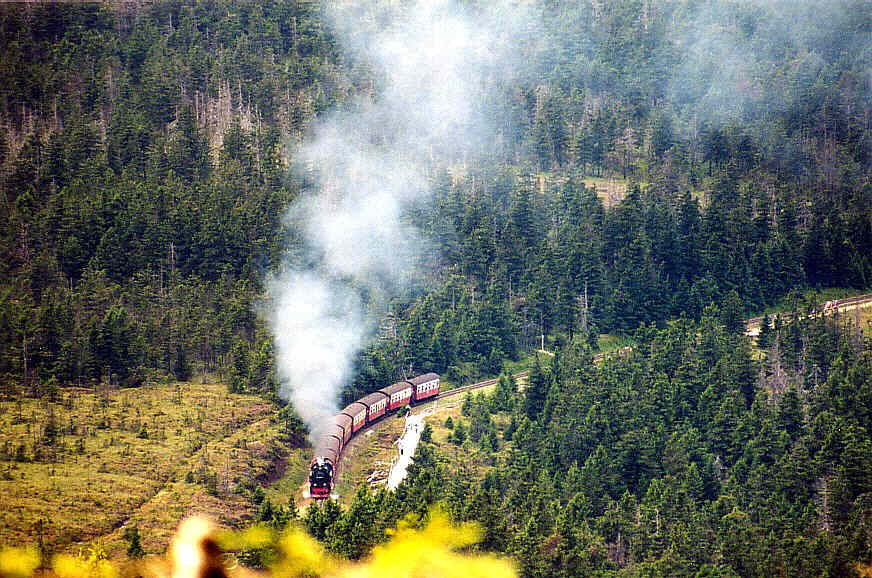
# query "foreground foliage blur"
(418, 546)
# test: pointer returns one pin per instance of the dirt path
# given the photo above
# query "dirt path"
(406, 446)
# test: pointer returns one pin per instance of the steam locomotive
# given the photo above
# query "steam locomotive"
(366, 410)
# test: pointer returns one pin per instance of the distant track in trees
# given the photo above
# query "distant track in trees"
(520, 375)
(750, 324)
(837, 305)
(479, 385)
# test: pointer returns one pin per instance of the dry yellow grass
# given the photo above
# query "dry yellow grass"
(863, 316)
(148, 456)
(610, 190)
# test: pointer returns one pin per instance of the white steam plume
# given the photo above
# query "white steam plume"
(433, 60)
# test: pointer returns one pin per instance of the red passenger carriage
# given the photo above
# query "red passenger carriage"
(345, 422)
(399, 394)
(375, 403)
(357, 412)
(368, 409)
(425, 386)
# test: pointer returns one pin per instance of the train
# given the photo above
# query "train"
(366, 410)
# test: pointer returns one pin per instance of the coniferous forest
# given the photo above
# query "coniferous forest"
(686, 457)
(649, 181)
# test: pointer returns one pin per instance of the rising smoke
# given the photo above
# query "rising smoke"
(369, 162)
(725, 59)
(442, 73)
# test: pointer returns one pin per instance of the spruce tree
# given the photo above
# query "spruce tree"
(536, 393)
(459, 435)
(134, 548)
(764, 337)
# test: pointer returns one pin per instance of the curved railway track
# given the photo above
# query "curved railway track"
(479, 385)
(520, 375)
(836, 306)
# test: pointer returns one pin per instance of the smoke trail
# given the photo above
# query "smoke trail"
(433, 59)
(728, 55)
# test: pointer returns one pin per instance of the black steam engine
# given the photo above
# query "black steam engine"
(322, 470)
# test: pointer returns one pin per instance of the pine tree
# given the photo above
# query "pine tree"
(459, 435)
(466, 407)
(355, 532)
(134, 548)
(536, 392)
(732, 313)
(493, 442)
(764, 336)
(321, 518)
(503, 397)
(527, 550)
(427, 433)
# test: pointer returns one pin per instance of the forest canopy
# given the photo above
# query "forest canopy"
(660, 170)
(146, 158)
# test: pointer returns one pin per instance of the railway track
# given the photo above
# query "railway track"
(479, 385)
(754, 322)
(520, 375)
(837, 305)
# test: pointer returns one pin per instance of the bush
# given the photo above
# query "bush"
(466, 408)
(459, 435)
(134, 548)
(427, 433)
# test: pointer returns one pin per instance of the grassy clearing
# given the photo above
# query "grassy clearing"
(861, 317)
(77, 469)
(442, 409)
(369, 452)
(467, 457)
(610, 190)
(608, 342)
(522, 364)
(864, 317)
(285, 490)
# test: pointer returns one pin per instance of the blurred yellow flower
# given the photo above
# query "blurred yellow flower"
(18, 561)
(89, 563)
(429, 553)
